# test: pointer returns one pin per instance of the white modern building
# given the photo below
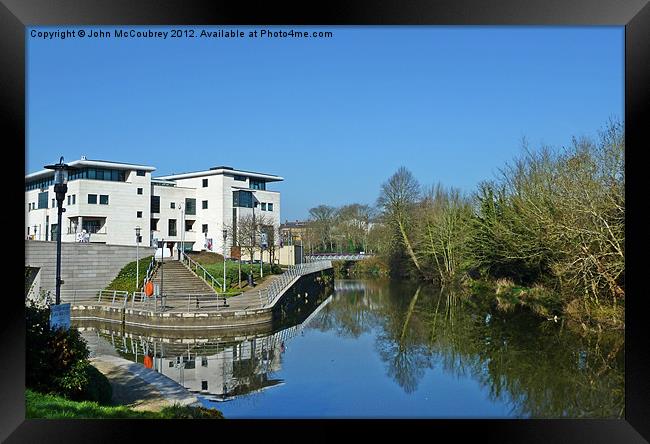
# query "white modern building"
(108, 200)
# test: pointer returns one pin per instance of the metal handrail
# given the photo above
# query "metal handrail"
(286, 279)
(192, 263)
(150, 271)
(177, 302)
(113, 298)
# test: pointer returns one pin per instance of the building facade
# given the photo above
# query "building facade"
(106, 201)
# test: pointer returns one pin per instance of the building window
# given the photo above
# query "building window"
(204, 204)
(103, 199)
(155, 204)
(139, 190)
(42, 200)
(270, 206)
(242, 199)
(92, 198)
(98, 174)
(190, 206)
(204, 385)
(69, 199)
(189, 224)
(154, 224)
(171, 364)
(240, 178)
(140, 172)
(91, 225)
(172, 227)
(257, 184)
(204, 362)
(172, 205)
(204, 228)
(205, 183)
(263, 206)
(139, 214)
(53, 204)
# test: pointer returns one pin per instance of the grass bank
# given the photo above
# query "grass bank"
(213, 263)
(126, 278)
(47, 406)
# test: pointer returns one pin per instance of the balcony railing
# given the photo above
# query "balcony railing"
(89, 230)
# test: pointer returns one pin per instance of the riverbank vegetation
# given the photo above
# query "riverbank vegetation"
(57, 361)
(548, 232)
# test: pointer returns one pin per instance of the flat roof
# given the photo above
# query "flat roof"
(222, 171)
(93, 163)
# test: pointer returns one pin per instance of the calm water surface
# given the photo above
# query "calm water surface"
(386, 349)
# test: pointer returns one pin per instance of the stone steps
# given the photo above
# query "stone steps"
(177, 278)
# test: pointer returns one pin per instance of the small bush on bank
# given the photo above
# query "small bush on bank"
(57, 361)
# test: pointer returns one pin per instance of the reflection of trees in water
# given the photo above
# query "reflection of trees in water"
(349, 315)
(399, 345)
(537, 367)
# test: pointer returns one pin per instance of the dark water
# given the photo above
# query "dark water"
(381, 349)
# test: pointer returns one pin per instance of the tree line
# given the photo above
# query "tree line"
(552, 221)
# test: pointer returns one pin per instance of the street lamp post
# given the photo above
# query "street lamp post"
(60, 188)
(137, 258)
(252, 279)
(161, 245)
(180, 205)
(225, 236)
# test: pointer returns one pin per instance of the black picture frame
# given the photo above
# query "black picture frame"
(15, 15)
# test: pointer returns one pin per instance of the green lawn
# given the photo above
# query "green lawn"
(213, 263)
(125, 280)
(39, 405)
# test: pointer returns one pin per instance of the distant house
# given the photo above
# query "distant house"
(292, 232)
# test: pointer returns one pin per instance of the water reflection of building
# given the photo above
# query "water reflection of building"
(215, 370)
(228, 369)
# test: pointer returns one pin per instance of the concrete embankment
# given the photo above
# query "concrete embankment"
(231, 318)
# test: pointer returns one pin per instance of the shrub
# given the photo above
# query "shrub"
(57, 361)
(186, 412)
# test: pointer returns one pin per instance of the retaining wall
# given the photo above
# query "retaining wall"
(84, 266)
(293, 305)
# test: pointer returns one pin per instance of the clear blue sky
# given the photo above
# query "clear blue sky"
(334, 116)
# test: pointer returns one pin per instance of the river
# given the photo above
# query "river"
(386, 349)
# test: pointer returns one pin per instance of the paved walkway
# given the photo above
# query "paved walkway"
(134, 385)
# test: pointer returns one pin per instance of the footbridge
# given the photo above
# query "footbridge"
(337, 257)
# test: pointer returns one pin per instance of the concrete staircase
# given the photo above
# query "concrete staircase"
(178, 279)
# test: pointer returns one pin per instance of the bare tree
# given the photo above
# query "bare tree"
(321, 220)
(397, 198)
